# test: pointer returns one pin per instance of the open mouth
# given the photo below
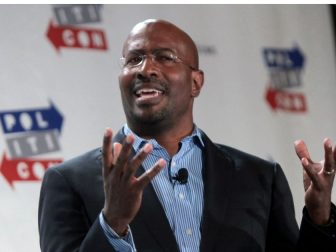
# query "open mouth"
(147, 93)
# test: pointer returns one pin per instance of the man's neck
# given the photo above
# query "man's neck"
(168, 138)
(171, 142)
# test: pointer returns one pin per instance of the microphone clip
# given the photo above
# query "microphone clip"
(181, 176)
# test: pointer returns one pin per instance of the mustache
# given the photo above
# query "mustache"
(149, 83)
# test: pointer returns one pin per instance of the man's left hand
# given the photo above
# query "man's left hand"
(318, 178)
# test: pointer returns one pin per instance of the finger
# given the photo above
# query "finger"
(116, 151)
(301, 150)
(146, 177)
(328, 155)
(107, 151)
(124, 154)
(310, 171)
(306, 180)
(137, 160)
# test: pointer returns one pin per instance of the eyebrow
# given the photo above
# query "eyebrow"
(142, 51)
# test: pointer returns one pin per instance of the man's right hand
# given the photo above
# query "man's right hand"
(123, 191)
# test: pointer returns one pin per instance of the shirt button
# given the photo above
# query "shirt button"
(173, 163)
(181, 195)
(189, 231)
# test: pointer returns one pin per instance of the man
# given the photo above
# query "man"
(134, 195)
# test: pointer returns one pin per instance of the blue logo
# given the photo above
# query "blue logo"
(31, 132)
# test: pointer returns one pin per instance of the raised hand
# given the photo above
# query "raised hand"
(123, 191)
(318, 178)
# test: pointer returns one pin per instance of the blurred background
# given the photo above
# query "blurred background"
(269, 80)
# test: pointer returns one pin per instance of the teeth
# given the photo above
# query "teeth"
(148, 91)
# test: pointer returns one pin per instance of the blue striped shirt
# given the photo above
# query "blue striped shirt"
(182, 203)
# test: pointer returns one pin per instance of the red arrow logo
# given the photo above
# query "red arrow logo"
(292, 102)
(72, 37)
(25, 169)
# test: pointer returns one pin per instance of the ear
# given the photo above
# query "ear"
(197, 82)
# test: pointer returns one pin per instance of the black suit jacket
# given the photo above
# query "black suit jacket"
(247, 207)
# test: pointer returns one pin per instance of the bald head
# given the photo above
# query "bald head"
(161, 30)
(160, 79)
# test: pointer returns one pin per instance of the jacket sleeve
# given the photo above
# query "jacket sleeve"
(282, 231)
(63, 224)
(317, 238)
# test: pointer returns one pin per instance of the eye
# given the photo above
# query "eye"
(165, 57)
(133, 60)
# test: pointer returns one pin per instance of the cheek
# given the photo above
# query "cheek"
(123, 77)
(181, 84)
(125, 80)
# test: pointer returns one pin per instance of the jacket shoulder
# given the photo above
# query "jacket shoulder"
(82, 166)
(240, 154)
(243, 160)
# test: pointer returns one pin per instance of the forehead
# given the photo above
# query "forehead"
(148, 37)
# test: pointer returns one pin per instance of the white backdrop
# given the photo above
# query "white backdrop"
(58, 93)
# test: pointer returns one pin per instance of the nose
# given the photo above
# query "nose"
(148, 68)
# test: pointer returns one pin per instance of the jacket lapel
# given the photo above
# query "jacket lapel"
(154, 217)
(151, 214)
(217, 173)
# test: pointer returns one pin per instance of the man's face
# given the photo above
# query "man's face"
(155, 91)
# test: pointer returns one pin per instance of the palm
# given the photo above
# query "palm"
(318, 181)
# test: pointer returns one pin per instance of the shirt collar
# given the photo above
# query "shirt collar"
(140, 142)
